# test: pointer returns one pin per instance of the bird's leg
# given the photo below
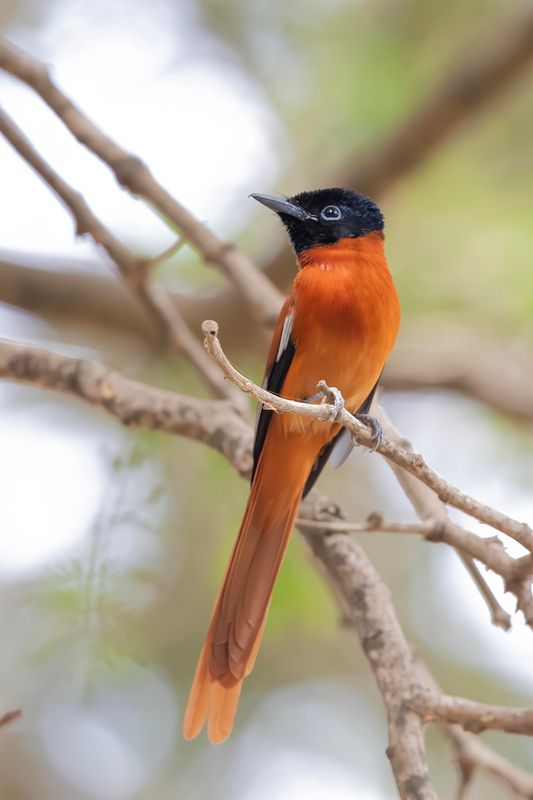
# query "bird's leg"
(375, 425)
(313, 397)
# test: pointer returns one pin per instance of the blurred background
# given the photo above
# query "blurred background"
(113, 542)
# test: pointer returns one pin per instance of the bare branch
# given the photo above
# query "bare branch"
(434, 530)
(475, 756)
(472, 716)
(374, 522)
(498, 615)
(135, 176)
(367, 604)
(489, 551)
(214, 422)
(408, 460)
(131, 268)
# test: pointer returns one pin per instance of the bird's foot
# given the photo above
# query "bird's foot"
(375, 425)
(332, 397)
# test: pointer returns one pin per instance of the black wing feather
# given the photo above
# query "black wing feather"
(273, 383)
(325, 453)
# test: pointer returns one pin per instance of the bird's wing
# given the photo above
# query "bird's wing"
(280, 358)
(338, 449)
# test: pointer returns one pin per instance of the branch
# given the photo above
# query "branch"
(474, 756)
(131, 268)
(516, 572)
(134, 175)
(434, 530)
(498, 615)
(366, 603)
(135, 405)
(408, 460)
(472, 716)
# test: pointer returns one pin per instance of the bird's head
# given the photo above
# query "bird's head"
(324, 216)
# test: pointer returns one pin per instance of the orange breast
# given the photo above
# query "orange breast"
(346, 318)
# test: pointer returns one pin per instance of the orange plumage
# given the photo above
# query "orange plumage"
(344, 316)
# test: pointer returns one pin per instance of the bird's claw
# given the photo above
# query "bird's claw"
(332, 397)
(338, 402)
(375, 425)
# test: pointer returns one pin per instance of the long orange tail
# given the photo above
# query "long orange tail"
(238, 618)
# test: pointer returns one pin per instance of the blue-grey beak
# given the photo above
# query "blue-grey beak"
(282, 206)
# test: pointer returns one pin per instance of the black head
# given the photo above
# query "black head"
(324, 216)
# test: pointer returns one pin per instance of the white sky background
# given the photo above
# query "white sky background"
(209, 136)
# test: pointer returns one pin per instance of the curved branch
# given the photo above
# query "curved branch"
(131, 268)
(214, 422)
(134, 175)
(410, 461)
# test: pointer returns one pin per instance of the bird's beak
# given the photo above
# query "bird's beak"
(282, 206)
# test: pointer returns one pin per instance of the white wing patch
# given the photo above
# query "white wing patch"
(341, 449)
(285, 335)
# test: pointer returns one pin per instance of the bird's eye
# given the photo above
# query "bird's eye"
(331, 213)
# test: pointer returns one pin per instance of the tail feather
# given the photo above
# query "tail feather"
(239, 615)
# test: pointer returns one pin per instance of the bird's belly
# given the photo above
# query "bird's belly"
(352, 364)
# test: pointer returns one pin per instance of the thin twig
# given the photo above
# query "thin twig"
(432, 530)
(499, 616)
(134, 175)
(132, 269)
(473, 756)
(472, 716)
(488, 551)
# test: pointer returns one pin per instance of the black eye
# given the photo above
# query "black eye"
(331, 213)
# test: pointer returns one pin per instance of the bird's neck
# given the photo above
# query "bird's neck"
(345, 280)
(345, 252)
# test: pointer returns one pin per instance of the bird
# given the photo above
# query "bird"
(338, 324)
